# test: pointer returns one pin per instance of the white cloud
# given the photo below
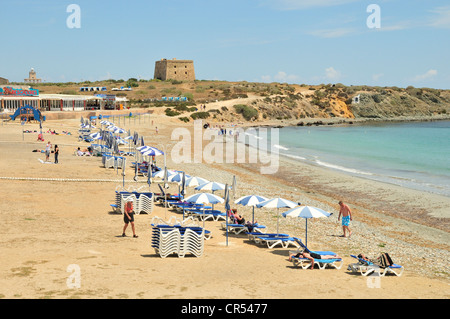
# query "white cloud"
(304, 4)
(427, 75)
(284, 77)
(333, 33)
(281, 77)
(266, 78)
(441, 19)
(332, 74)
(377, 76)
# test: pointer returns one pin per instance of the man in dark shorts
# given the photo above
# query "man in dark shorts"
(128, 217)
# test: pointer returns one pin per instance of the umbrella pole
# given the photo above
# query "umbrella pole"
(253, 215)
(227, 225)
(306, 235)
(278, 219)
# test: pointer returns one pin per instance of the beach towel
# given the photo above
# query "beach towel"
(44, 162)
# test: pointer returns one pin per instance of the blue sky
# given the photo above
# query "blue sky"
(293, 41)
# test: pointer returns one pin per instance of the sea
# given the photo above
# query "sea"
(414, 155)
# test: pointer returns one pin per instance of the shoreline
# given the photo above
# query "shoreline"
(346, 121)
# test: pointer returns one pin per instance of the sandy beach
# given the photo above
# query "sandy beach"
(55, 216)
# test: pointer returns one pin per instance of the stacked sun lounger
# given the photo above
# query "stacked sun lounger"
(142, 202)
(168, 240)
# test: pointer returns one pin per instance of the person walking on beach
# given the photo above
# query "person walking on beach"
(56, 154)
(128, 217)
(346, 218)
(48, 149)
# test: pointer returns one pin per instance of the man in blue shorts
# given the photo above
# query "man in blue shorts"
(346, 218)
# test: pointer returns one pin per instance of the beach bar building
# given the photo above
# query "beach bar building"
(12, 99)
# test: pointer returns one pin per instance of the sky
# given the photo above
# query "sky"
(354, 42)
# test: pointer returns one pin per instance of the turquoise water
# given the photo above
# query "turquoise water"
(413, 154)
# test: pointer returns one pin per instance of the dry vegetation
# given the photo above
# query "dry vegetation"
(246, 101)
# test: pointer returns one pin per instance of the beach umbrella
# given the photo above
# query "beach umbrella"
(161, 173)
(204, 198)
(96, 136)
(252, 201)
(306, 212)
(195, 181)
(121, 141)
(152, 151)
(277, 203)
(210, 186)
(178, 177)
(118, 130)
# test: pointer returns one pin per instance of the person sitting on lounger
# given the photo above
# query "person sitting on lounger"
(239, 219)
(311, 256)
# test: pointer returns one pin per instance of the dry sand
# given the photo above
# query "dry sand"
(49, 225)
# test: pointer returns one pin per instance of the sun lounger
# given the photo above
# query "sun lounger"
(253, 235)
(239, 228)
(367, 268)
(273, 241)
(208, 214)
(305, 263)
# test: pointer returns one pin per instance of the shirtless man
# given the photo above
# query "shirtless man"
(346, 218)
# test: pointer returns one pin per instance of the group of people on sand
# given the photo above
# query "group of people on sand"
(48, 150)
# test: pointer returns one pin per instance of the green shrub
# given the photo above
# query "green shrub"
(247, 112)
(170, 112)
(199, 115)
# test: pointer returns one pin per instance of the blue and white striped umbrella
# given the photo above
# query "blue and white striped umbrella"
(252, 201)
(160, 174)
(195, 181)
(149, 150)
(211, 186)
(121, 141)
(152, 151)
(204, 198)
(96, 136)
(306, 212)
(277, 203)
(118, 130)
(177, 177)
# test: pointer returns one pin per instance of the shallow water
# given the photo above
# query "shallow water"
(410, 154)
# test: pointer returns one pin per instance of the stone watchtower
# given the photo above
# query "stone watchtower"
(180, 70)
(32, 77)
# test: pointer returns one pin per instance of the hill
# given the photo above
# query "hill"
(250, 101)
